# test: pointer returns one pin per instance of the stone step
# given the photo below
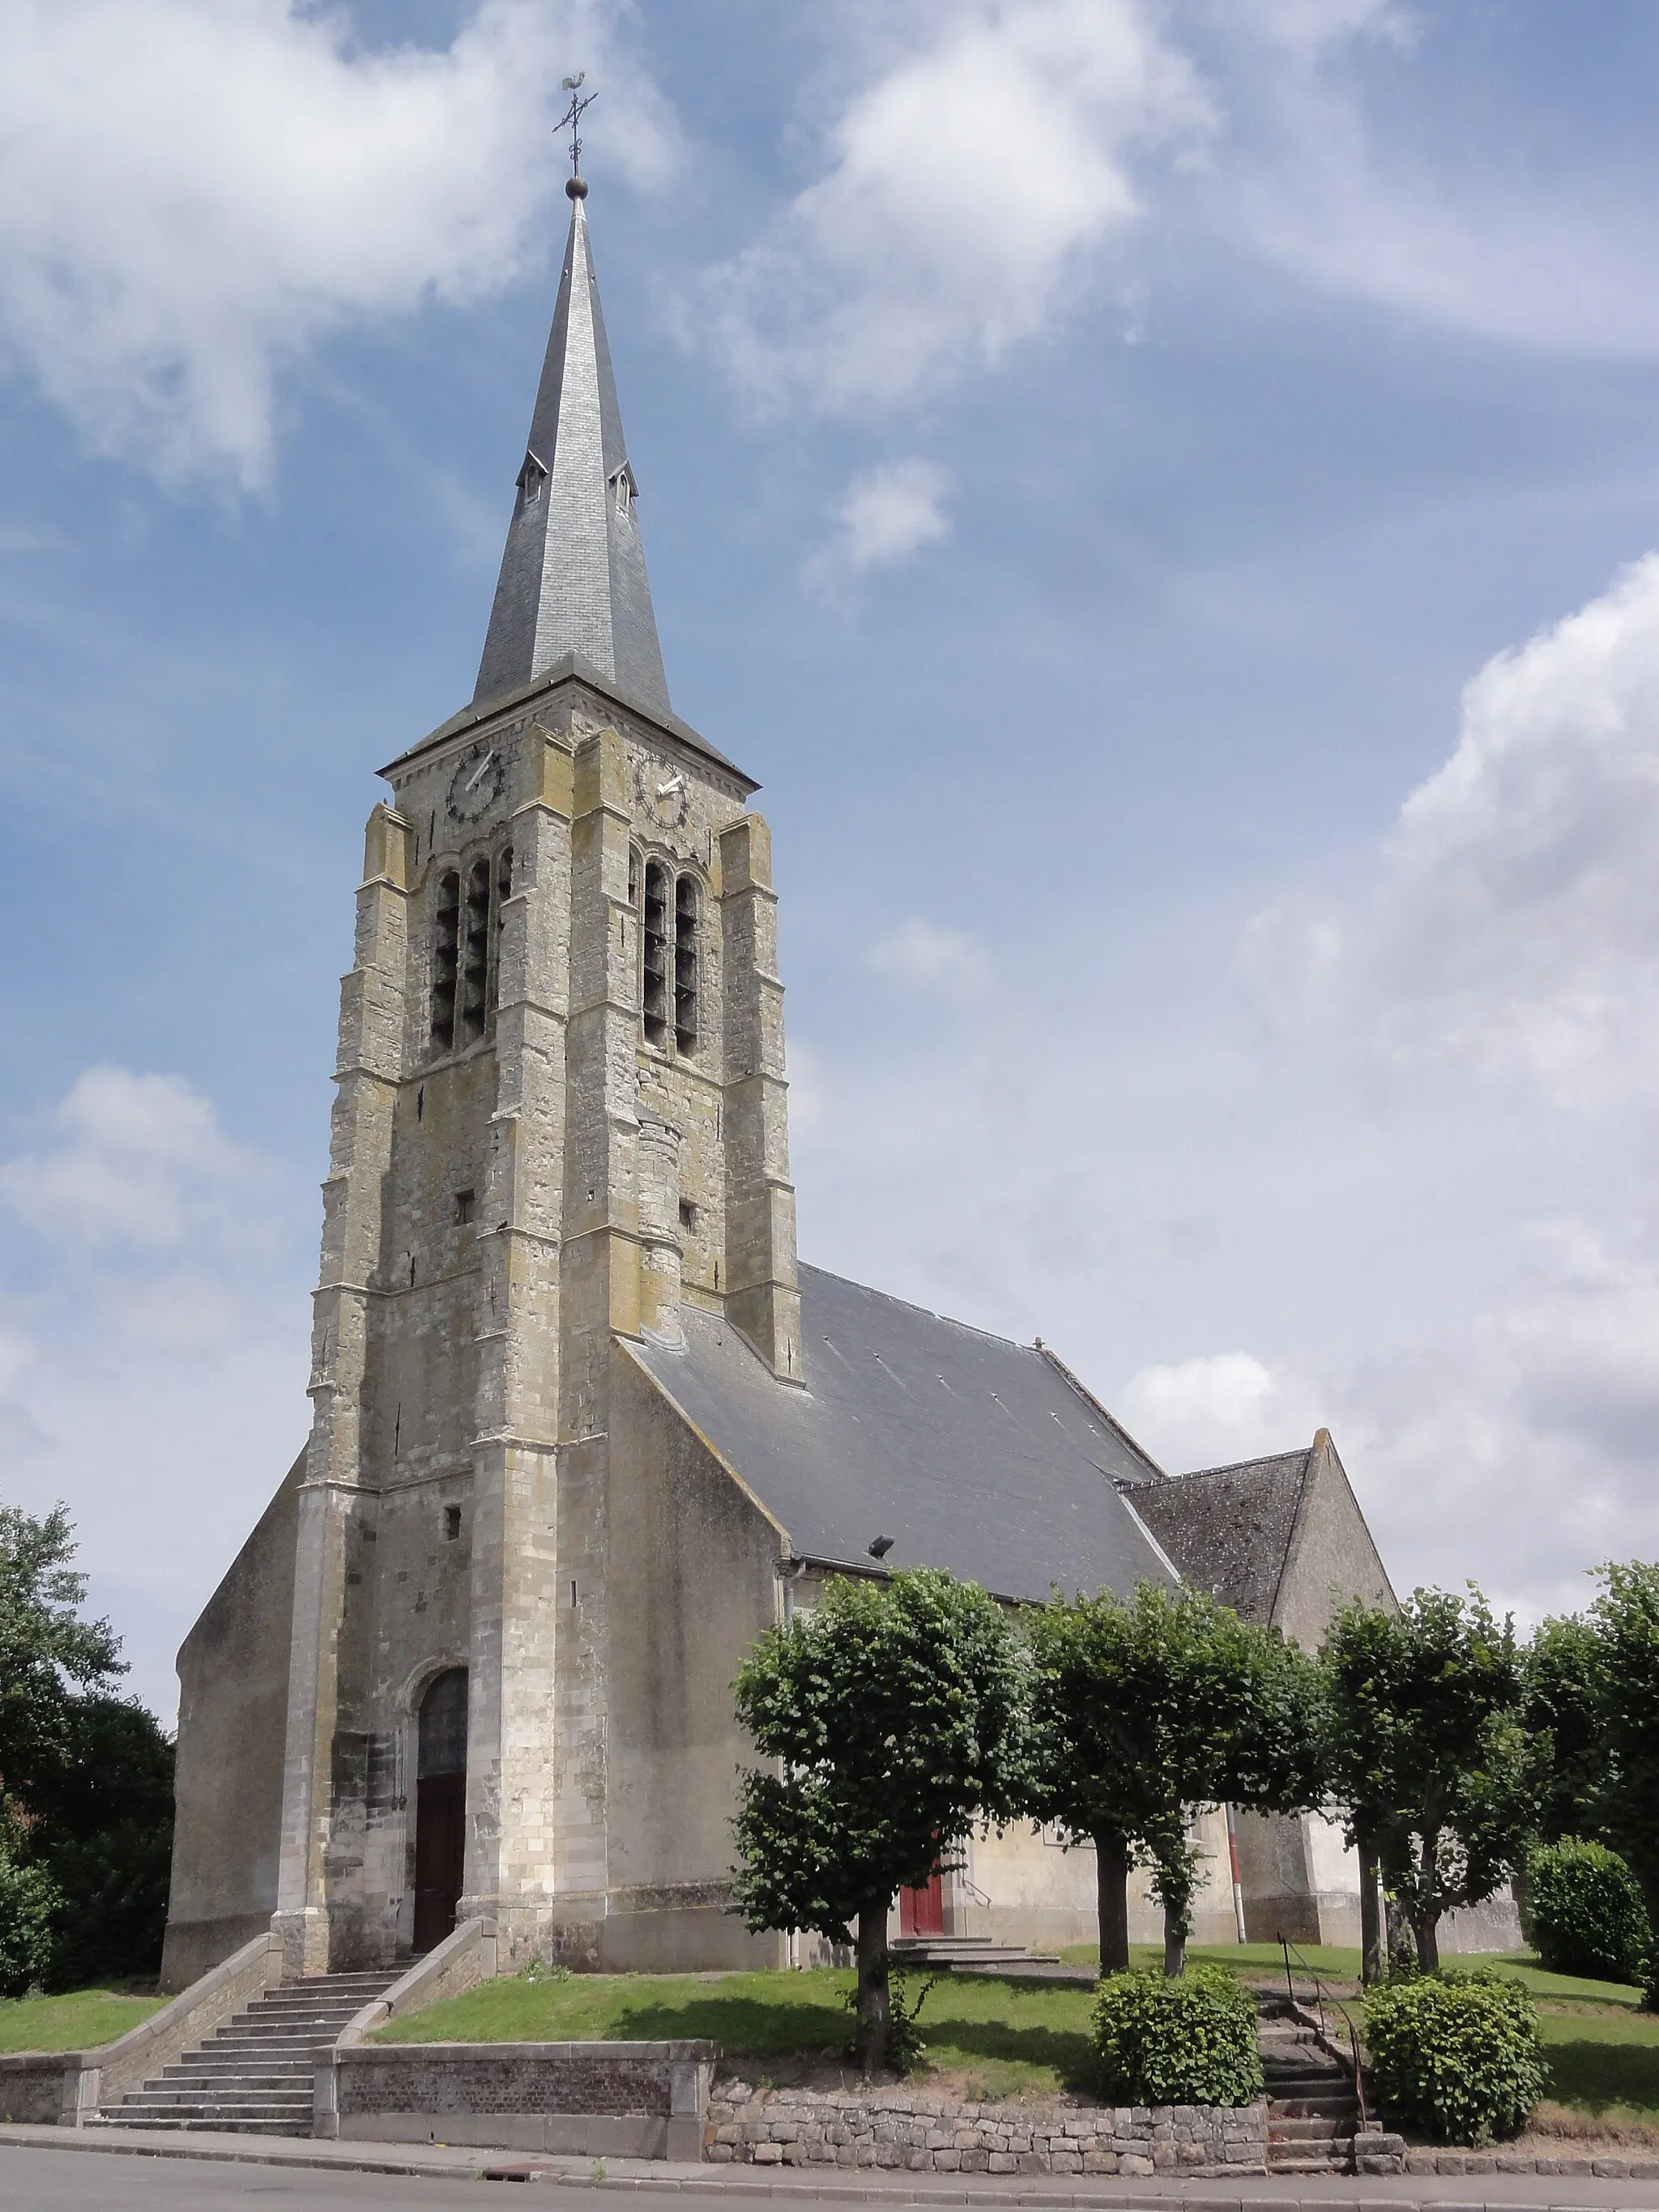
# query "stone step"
(1307, 2130)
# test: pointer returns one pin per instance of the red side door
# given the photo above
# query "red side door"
(921, 1912)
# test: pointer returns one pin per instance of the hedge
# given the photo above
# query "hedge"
(1585, 1913)
(1189, 2041)
(1455, 2056)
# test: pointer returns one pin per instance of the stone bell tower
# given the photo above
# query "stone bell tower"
(560, 1122)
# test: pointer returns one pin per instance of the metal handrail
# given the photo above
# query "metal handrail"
(1313, 1974)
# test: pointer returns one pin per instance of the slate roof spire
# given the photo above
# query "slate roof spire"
(573, 576)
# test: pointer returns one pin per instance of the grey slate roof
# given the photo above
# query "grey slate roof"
(1228, 1528)
(573, 576)
(972, 1453)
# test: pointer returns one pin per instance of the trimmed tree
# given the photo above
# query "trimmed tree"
(898, 1713)
(1562, 1686)
(1424, 1750)
(1146, 1710)
(1627, 1615)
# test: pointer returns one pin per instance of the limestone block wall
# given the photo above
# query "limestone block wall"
(900, 2128)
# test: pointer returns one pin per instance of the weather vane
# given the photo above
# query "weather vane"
(571, 121)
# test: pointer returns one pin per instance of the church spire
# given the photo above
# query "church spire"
(573, 576)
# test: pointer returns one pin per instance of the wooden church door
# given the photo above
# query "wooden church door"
(921, 1912)
(441, 1808)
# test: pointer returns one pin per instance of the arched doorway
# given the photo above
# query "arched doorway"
(440, 1808)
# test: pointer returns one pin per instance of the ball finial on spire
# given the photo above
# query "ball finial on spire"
(575, 188)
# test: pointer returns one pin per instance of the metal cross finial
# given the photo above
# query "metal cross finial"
(571, 119)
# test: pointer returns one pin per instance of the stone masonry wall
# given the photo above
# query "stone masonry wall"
(919, 2134)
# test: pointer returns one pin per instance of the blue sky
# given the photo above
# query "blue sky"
(1159, 496)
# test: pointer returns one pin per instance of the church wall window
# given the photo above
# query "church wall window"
(475, 954)
(654, 989)
(446, 943)
(685, 964)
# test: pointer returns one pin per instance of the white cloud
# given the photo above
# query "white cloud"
(1516, 924)
(1211, 1411)
(966, 181)
(143, 1162)
(887, 513)
(193, 191)
(154, 1376)
(919, 956)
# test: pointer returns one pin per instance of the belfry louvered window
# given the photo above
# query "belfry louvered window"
(686, 965)
(446, 945)
(475, 953)
(654, 992)
(466, 931)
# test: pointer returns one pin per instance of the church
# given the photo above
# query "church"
(583, 1427)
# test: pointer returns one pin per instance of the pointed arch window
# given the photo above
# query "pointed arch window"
(686, 965)
(467, 920)
(654, 984)
(531, 478)
(446, 947)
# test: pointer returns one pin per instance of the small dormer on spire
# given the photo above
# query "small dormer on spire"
(573, 576)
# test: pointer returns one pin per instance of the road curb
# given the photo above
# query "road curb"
(439, 2162)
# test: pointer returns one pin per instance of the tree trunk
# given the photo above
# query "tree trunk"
(1175, 1947)
(1647, 1880)
(875, 2036)
(1425, 1920)
(1370, 1918)
(1112, 1902)
(1425, 1928)
(1402, 1947)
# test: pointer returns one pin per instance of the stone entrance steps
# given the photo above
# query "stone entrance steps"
(933, 1952)
(256, 2076)
(1312, 2112)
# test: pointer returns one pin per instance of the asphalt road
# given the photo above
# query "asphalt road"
(42, 2180)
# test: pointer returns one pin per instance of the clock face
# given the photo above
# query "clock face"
(480, 775)
(663, 793)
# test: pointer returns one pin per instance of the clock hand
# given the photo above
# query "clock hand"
(667, 790)
(479, 773)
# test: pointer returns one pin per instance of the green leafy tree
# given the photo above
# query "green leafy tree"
(1145, 1710)
(1626, 1616)
(897, 1712)
(47, 1653)
(1424, 1750)
(103, 1825)
(1562, 1686)
(86, 1778)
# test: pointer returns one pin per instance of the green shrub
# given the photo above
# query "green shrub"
(1585, 1914)
(1191, 2041)
(29, 1904)
(1455, 2056)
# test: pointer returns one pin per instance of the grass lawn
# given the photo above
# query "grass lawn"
(990, 2039)
(987, 2039)
(78, 2021)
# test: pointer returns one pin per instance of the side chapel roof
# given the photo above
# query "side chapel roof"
(1228, 1528)
(970, 1452)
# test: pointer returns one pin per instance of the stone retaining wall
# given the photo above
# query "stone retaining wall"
(1612, 2166)
(921, 2134)
(602, 2100)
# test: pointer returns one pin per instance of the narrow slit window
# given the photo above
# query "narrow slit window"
(503, 893)
(654, 990)
(446, 941)
(475, 953)
(452, 1523)
(685, 964)
(466, 1205)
